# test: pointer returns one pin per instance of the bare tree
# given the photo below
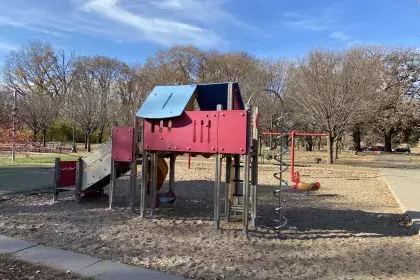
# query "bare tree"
(177, 65)
(38, 111)
(329, 88)
(106, 71)
(132, 87)
(84, 104)
(36, 69)
(399, 76)
(6, 105)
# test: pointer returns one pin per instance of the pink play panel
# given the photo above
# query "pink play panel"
(122, 143)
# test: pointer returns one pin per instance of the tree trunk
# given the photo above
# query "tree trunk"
(336, 149)
(44, 138)
(88, 142)
(388, 141)
(357, 139)
(101, 134)
(330, 144)
(34, 135)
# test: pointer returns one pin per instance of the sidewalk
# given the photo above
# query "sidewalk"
(405, 184)
(77, 263)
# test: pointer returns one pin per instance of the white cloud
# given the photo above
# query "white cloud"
(323, 20)
(159, 30)
(6, 47)
(340, 35)
(28, 25)
(170, 3)
(205, 11)
(165, 22)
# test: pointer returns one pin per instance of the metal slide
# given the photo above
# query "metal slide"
(97, 167)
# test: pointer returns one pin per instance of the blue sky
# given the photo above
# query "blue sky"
(132, 30)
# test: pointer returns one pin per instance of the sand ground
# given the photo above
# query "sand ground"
(352, 228)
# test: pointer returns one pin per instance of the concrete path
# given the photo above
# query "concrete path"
(25, 179)
(405, 184)
(77, 263)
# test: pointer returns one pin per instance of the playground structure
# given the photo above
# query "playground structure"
(178, 120)
(171, 126)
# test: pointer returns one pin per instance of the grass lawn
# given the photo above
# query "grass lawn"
(34, 159)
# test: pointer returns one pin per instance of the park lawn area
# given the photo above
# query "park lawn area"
(35, 159)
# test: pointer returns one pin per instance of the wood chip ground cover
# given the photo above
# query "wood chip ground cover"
(351, 229)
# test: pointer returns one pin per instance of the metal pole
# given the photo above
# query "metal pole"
(228, 187)
(217, 183)
(153, 183)
(113, 175)
(14, 126)
(217, 190)
(133, 174)
(271, 130)
(171, 173)
(112, 184)
(145, 181)
(254, 167)
(245, 197)
(292, 157)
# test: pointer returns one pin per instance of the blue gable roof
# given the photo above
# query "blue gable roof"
(171, 101)
(166, 102)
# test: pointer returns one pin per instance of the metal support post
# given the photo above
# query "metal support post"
(171, 173)
(56, 177)
(245, 198)
(254, 183)
(237, 167)
(292, 157)
(218, 180)
(217, 183)
(228, 187)
(254, 166)
(79, 178)
(153, 183)
(113, 180)
(144, 183)
(133, 174)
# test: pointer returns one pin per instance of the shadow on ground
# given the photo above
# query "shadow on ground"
(313, 216)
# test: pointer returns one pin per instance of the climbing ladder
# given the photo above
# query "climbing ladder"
(247, 186)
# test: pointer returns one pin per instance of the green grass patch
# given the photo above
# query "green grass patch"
(35, 159)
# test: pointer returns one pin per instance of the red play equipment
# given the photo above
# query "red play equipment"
(207, 120)
(294, 175)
